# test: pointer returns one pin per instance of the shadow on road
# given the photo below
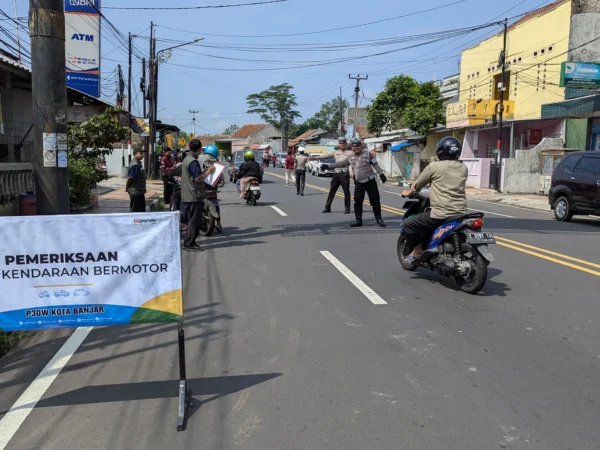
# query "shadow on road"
(492, 288)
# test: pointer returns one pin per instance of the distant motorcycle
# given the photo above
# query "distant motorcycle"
(457, 249)
(253, 192)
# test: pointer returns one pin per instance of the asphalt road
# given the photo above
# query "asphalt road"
(284, 352)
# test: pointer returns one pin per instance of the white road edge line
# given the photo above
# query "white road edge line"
(281, 213)
(362, 287)
(14, 418)
(471, 199)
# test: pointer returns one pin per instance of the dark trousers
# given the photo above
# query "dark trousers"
(137, 203)
(168, 190)
(194, 211)
(370, 187)
(267, 162)
(300, 180)
(343, 180)
(419, 226)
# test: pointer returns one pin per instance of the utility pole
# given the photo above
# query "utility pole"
(129, 77)
(193, 112)
(143, 89)
(341, 113)
(501, 89)
(150, 101)
(17, 31)
(356, 92)
(49, 93)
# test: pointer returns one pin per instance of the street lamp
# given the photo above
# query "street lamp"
(161, 57)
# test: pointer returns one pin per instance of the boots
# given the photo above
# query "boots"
(356, 223)
(380, 222)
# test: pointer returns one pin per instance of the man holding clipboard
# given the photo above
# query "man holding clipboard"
(211, 155)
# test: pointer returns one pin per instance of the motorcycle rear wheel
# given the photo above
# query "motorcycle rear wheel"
(478, 275)
(403, 253)
(253, 201)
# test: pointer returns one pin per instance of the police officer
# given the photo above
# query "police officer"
(365, 180)
(341, 176)
(136, 183)
(193, 193)
(300, 167)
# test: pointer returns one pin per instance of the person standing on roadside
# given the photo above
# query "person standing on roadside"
(341, 176)
(290, 162)
(136, 183)
(166, 163)
(193, 193)
(365, 180)
(300, 169)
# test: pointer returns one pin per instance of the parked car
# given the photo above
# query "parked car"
(311, 166)
(280, 160)
(237, 160)
(575, 188)
(318, 170)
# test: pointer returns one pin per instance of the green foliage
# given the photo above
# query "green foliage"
(327, 118)
(275, 106)
(231, 129)
(406, 103)
(89, 143)
(183, 134)
(9, 340)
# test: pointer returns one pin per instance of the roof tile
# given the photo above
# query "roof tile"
(248, 130)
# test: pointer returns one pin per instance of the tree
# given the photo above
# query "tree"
(329, 115)
(231, 129)
(275, 106)
(406, 103)
(89, 143)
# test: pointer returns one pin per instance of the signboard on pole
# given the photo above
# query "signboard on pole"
(580, 75)
(86, 270)
(82, 45)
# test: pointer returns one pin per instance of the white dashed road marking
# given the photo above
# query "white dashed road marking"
(281, 213)
(362, 287)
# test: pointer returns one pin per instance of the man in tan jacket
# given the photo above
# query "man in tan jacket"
(448, 179)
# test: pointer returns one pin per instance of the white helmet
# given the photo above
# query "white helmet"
(301, 149)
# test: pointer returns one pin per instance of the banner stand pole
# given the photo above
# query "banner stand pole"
(184, 390)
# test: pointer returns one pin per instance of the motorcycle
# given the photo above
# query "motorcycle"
(457, 249)
(175, 181)
(253, 192)
(211, 215)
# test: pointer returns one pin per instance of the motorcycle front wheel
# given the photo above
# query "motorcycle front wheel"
(208, 224)
(403, 252)
(476, 279)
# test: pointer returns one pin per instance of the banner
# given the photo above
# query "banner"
(82, 45)
(86, 270)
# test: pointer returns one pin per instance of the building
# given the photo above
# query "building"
(258, 133)
(536, 44)
(449, 87)
(361, 119)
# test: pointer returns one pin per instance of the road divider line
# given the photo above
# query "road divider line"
(508, 243)
(281, 213)
(360, 285)
(14, 418)
(548, 258)
(560, 255)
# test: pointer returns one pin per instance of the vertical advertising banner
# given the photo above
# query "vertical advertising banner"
(82, 46)
(89, 269)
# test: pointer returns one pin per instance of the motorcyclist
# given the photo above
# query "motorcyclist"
(365, 180)
(211, 155)
(448, 179)
(248, 170)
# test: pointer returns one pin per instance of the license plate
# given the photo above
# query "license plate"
(480, 238)
(254, 188)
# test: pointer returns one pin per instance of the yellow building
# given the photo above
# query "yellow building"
(536, 45)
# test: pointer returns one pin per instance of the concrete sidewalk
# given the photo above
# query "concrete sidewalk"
(112, 197)
(529, 201)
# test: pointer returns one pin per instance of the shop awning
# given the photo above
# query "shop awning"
(401, 145)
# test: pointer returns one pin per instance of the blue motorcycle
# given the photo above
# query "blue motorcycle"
(457, 249)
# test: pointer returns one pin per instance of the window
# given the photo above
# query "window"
(597, 171)
(568, 163)
(550, 163)
(550, 48)
(543, 51)
(586, 165)
(535, 54)
(520, 59)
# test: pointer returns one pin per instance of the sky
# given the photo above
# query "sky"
(215, 75)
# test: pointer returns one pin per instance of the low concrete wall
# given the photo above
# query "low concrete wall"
(521, 174)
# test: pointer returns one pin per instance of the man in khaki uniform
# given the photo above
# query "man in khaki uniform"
(448, 179)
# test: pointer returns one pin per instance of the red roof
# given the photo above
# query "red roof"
(301, 138)
(248, 130)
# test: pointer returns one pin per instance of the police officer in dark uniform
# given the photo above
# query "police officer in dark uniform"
(341, 176)
(136, 183)
(365, 180)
